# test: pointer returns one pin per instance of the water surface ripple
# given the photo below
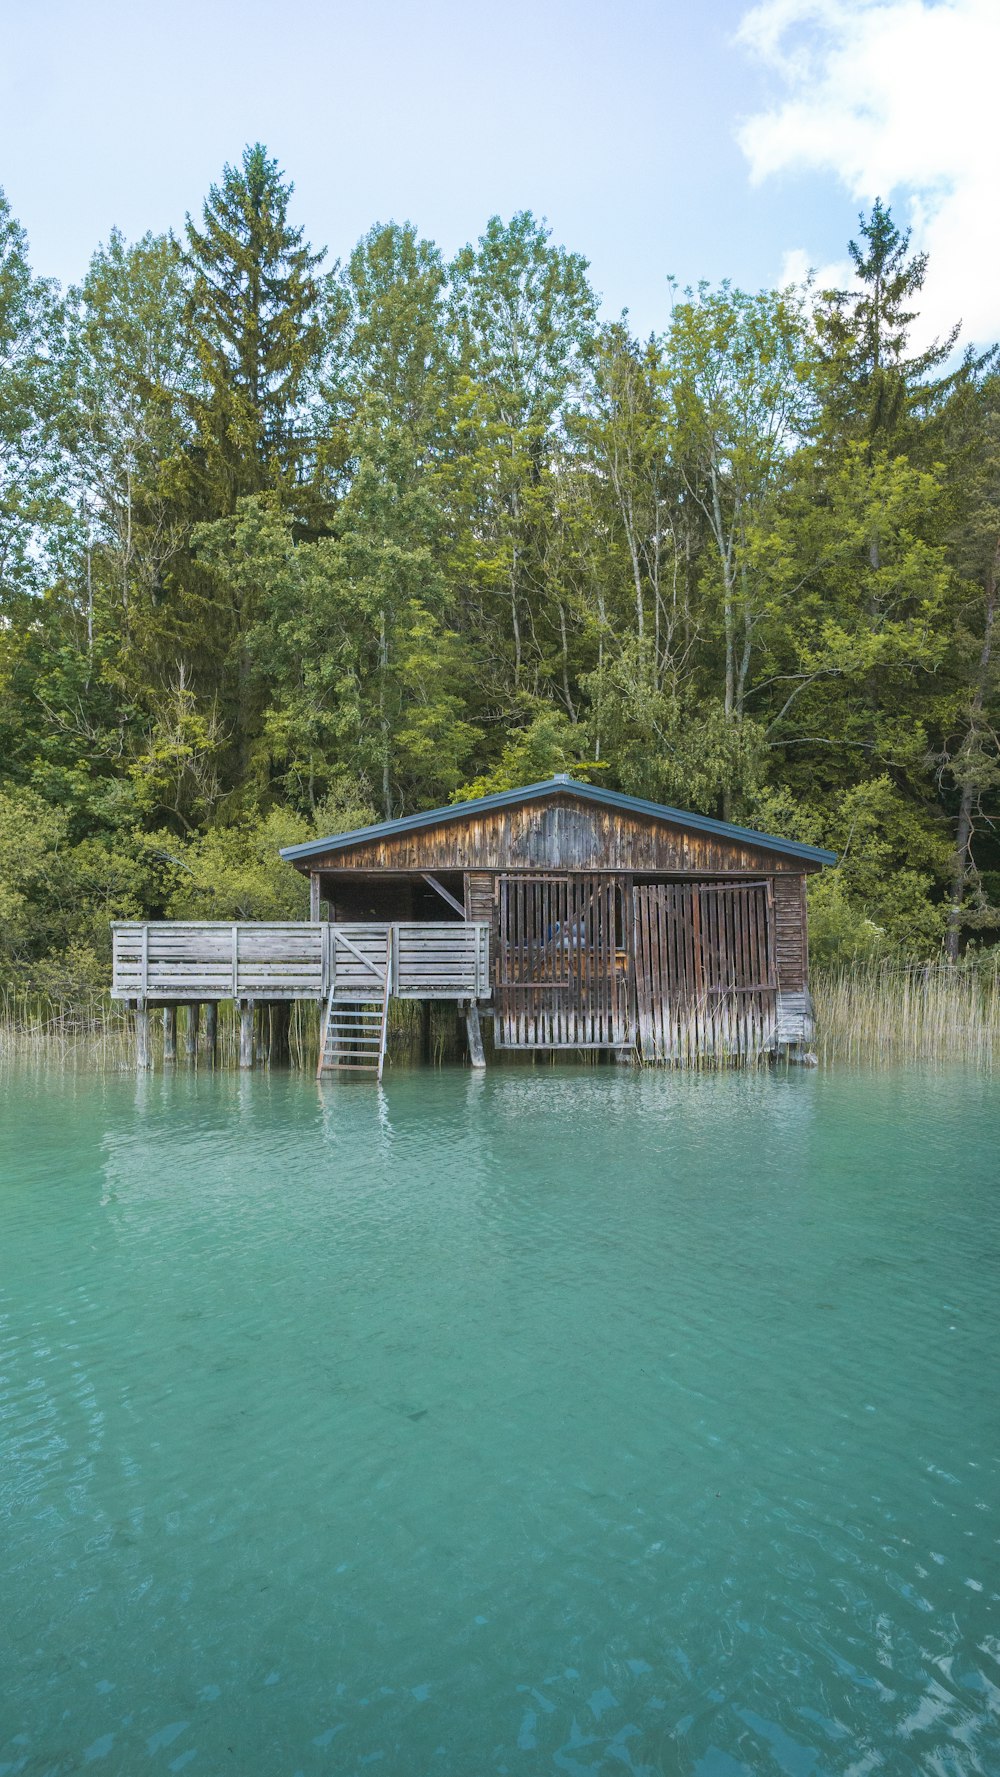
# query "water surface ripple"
(561, 1421)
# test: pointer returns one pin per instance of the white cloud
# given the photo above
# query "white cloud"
(897, 99)
(797, 268)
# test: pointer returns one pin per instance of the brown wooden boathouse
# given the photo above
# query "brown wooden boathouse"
(575, 917)
(613, 923)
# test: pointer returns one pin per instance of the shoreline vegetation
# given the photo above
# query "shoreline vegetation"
(872, 1014)
(292, 544)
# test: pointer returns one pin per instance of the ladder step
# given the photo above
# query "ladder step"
(353, 1033)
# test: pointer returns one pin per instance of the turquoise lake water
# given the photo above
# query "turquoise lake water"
(558, 1421)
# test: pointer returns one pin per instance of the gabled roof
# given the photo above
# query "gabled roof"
(553, 786)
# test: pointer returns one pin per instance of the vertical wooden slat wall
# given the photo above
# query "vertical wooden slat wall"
(705, 969)
(561, 979)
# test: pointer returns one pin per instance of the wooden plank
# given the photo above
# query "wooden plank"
(443, 892)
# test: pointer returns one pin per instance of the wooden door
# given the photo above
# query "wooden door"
(561, 969)
(705, 974)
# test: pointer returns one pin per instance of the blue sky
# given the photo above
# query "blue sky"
(653, 137)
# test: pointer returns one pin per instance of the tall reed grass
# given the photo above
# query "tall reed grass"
(883, 1014)
(869, 1014)
(98, 1033)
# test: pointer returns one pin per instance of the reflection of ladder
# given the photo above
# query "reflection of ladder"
(353, 1033)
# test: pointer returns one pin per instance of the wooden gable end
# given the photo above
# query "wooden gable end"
(563, 834)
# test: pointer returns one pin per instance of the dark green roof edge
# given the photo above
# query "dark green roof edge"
(432, 817)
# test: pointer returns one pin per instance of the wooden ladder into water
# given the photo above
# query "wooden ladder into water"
(353, 1033)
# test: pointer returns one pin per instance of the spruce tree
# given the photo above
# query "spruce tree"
(875, 388)
(255, 319)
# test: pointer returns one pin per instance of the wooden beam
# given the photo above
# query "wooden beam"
(170, 1033)
(443, 892)
(212, 1030)
(314, 897)
(191, 1029)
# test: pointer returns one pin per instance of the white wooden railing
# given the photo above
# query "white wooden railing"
(292, 960)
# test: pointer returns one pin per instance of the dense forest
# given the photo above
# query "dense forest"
(287, 546)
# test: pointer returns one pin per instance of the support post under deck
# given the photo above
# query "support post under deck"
(191, 1030)
(246, 1033)
(477, 1054)
(211, 1030)
(170, 1033)
(143, 1057)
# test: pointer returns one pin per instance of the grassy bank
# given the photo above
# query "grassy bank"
(875, 1015)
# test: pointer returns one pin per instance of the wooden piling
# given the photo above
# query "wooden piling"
(477, 1054)
(143, 1055)
(191, 1030)
(246, 1033)
(170, 1033)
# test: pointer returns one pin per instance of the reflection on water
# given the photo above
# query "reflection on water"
(561, 1420)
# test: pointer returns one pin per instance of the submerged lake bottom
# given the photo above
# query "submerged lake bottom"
(568, 1420)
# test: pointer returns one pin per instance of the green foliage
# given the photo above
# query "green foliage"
(283, 552)
(32, 835)
(840, 931)
(57, 898)
(547, 745)
(236, 873)
(32, 394)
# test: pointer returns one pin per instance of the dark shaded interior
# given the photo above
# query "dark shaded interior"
(385, 896)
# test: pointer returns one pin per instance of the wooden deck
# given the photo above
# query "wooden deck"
(164, 962)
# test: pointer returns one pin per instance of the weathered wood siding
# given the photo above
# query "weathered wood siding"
(479, 895)
(560, 835)
(790, 932)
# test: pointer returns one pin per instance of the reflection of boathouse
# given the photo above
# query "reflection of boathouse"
(575, 917)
